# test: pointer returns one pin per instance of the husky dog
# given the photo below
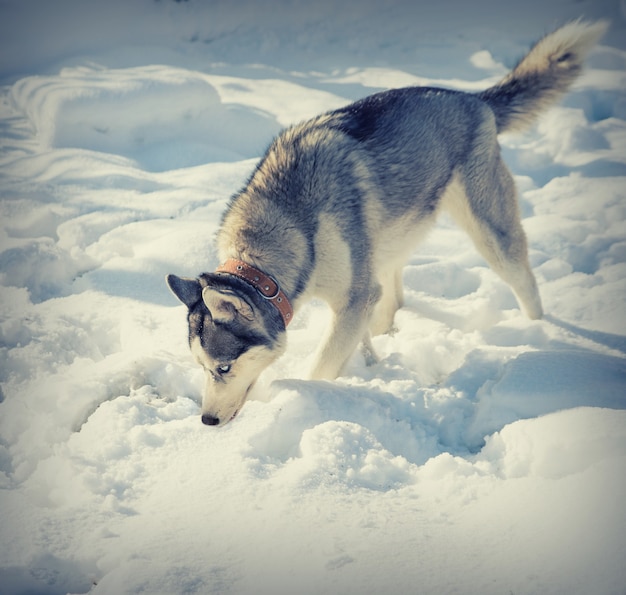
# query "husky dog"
(338, 203)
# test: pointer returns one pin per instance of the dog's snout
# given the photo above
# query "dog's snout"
(209, 420)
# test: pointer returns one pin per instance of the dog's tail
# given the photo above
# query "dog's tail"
(543, 75)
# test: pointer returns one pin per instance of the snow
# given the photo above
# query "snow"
(485, 453)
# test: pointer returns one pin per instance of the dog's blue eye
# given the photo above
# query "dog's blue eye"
(223, 369)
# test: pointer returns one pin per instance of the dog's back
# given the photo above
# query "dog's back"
(412, 139)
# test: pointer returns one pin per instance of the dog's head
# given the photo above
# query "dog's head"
(234, 334)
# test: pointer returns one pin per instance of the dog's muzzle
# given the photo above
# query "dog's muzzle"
(209, 420)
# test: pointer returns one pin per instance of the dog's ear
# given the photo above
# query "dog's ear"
(224, 306)
(188, 291)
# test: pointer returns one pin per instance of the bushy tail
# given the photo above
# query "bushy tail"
(543, 75)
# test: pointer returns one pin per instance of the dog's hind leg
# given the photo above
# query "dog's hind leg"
(485, 205)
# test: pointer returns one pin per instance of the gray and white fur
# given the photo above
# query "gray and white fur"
(338, 203)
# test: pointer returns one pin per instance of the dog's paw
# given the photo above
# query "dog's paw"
(369, 355)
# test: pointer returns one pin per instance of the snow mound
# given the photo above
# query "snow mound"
(161, 117)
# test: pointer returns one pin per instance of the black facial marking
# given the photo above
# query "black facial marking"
(223, 342)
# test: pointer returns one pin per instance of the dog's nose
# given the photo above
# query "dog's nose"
(209, 420)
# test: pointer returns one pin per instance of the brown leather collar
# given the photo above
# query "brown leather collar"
(264, 284)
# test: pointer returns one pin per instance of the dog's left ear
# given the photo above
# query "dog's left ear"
(188, 291)
(226, 306)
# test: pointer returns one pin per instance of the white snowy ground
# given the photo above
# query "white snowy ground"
(485, 454)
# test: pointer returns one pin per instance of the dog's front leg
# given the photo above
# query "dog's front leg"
(349, 327)
(346, 332)
(368, 351)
